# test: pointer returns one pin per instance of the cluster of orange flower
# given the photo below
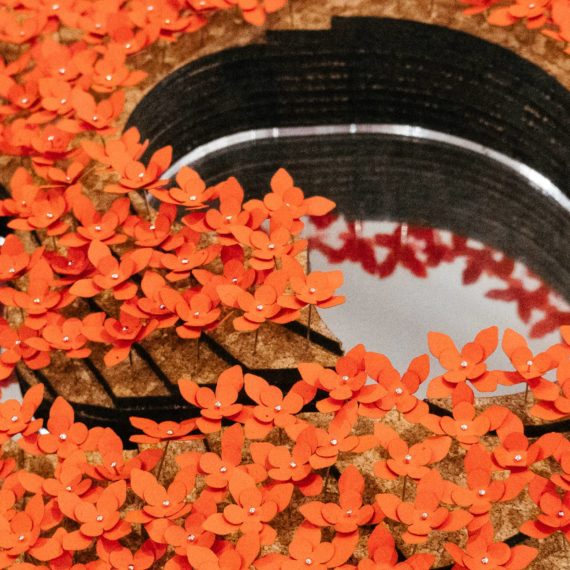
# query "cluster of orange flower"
(56, 90)
(273, 467)
(420, 249)
(228, 259)
(552, 17)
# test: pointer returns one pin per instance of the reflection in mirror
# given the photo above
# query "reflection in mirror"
(431, 232)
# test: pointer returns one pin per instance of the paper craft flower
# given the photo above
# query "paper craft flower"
(197, 310)
(558, 408)
(253, 508)
(482, 491)
(411, 461)
(286, 204)
(66, 335)
(516, 454)
(318, 288)
(13, 258)
(349, 514)
(291, 466)
(258, 307)
(135, 175)
(20, 344)
(215, 405)
(399, 389)
(346, 383)
(99, 519)
(306, 551)
(159, 502)
(227, 557)
(120, 333)
(112, 275)
(228, 217)
(465, 365)
(190, 193)
(554, 511)
(184, 538)
(116, 555)
(273, 409)
(337, 438)
(562, 455)
(482, 552)
(425, 514)
(21, 535)
(529, 367)
(219, 469)
(152, 305)
(97, 226)
(464, 426)
(155, 432)
(382, 555)
(64, 434)
(41, 297)
(18, 417)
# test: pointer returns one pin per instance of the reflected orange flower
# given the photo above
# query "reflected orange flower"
(425, 514)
